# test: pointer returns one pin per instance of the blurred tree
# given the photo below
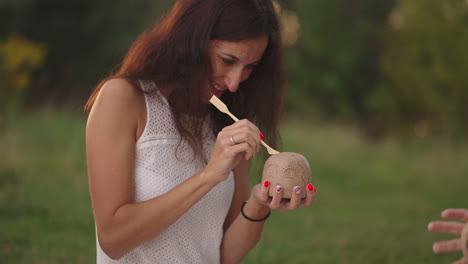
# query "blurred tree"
(390, 64)
(333, 66)
(424, 63)
(86, 38)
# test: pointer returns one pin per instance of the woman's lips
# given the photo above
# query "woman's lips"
(216, 90)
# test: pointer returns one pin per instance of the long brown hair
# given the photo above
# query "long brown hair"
(175, 53)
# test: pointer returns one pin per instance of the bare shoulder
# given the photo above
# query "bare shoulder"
(121, 92)
(119, 102)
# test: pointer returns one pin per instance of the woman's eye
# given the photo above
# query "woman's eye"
(251, 66)
(227, 61)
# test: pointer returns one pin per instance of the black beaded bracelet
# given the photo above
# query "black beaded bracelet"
(253, 220)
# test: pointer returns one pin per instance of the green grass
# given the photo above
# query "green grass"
(373, 203)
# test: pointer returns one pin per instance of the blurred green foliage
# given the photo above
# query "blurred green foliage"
(391, 65)
(423, 65)
(394, 66)
(86, 39)
(19, 58)
(334, 63)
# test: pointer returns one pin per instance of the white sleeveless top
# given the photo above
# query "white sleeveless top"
(196, 236)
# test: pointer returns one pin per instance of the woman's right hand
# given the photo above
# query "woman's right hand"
(239, 140)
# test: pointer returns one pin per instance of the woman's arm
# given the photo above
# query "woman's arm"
(111, 135)
(242, 235)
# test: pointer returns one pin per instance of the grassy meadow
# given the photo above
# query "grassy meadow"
(373, 203)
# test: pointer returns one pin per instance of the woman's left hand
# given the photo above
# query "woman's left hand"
(259, 195)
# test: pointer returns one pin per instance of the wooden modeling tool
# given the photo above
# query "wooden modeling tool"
(223, 108)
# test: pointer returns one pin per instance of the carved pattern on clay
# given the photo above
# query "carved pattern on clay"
(288, 170)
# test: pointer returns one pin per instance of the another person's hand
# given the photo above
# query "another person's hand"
(453, 227)
(260, 195)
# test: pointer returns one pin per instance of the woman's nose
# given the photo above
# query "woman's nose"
(233, 79)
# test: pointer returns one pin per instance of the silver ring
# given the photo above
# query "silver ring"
(232, 141)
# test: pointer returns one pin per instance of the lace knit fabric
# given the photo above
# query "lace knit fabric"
(196, 236)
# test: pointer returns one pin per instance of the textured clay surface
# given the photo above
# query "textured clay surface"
(287, 169)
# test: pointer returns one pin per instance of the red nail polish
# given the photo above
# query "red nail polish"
(310, 187)
(262, 136)
(266, 183)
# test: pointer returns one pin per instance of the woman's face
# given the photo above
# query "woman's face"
(233, 62)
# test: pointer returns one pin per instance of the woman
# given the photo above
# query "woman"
(168, 173)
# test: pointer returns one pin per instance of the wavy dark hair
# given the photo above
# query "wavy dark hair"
(175, 53)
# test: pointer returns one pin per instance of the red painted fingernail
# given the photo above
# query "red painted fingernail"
(310, 187)
(262, 136)
(266, 183)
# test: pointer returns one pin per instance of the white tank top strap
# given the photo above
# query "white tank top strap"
(159, 120)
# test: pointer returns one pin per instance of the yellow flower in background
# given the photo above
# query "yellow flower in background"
(19, 57)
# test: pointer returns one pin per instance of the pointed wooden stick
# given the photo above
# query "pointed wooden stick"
(223, 108)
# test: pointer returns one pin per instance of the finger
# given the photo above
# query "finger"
(455, 213)
(445, 227)
(258, 193)
(264, 191)
(240, 149)
(277, 196)
(245, 123)
(240, 135)
(226, 139)
(461, 261)
(295, 198)
(446, 246)
(310, 196)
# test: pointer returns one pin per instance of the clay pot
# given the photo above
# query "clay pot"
(287, 169)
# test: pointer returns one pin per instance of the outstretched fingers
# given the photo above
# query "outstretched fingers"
(446, 246)
(445, 227)
(455, 214)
